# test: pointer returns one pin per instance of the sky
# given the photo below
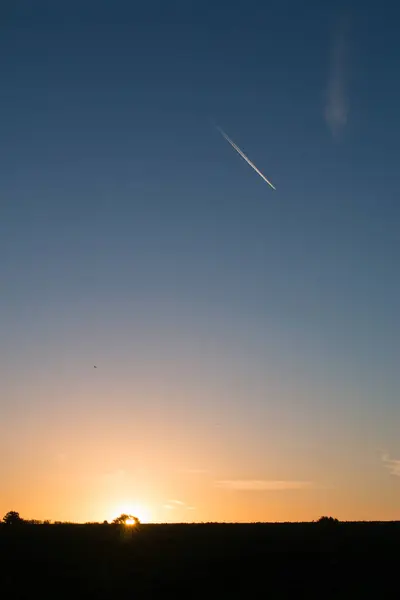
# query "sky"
(246, 340)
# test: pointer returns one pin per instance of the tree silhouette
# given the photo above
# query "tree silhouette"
(328, 521)
(122, 520)
(12, 518)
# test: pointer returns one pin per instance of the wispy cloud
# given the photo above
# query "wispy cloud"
(260, 485)
(337, 103)
(173, 504)
(114, 476)
(195, 471)
(392, 464)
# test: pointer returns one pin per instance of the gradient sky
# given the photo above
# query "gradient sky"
(246, 340)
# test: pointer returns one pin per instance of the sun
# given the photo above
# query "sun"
(136, 510)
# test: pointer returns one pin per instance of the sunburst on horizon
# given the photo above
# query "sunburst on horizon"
(141, 511)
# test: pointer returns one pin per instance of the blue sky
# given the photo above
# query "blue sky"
(133, 237)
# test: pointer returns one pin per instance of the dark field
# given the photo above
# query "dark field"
(347, 560)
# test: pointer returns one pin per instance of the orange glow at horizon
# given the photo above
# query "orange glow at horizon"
(196, 498)
(171, 462)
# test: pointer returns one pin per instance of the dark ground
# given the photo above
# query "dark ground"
(345, 560)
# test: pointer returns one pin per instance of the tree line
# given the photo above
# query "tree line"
(13, 518)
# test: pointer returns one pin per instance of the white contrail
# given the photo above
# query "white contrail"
(228, 139)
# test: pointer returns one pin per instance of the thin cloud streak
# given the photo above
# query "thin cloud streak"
(242, 154)
(262, 485)
(392, 465)
(178, 504)
(113, 476)
(337, 105)
(195, 471)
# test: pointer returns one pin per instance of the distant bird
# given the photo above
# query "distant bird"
(242, 154)
(94, 367)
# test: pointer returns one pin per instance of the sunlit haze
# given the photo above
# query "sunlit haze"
(178, 341)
